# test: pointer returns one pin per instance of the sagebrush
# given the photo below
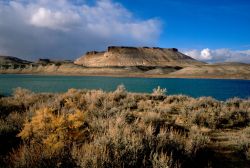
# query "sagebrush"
(93, 128)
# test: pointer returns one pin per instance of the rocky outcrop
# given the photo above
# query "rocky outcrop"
(43, 61)
(136, 56)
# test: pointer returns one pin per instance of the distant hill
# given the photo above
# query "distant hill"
(231, 63)
(47, 61)
(133, 56)
(9, 60)
(129, 62)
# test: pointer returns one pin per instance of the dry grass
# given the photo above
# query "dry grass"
(93, 128)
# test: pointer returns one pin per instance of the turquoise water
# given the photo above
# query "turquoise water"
(219, 89)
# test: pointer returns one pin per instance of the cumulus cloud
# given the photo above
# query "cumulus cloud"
(220, 55)
(206, 54)
(55, 20)
(66, 29)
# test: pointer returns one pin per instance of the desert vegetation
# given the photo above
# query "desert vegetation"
(93, 128)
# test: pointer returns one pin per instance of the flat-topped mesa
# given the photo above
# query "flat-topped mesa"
(115, 48)
(136, 56)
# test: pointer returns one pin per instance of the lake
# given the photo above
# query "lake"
(220, 89)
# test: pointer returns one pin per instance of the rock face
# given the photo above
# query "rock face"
(132, 56)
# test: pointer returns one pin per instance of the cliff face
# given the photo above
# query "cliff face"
(132, 56)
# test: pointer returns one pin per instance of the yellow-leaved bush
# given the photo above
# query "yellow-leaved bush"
(56, 131)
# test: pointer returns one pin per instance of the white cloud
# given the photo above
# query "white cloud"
(54, 20)
(107, 19)
(65, 29)
(206, 54)
(220, 55)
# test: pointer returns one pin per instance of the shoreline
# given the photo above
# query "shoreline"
(134, 75)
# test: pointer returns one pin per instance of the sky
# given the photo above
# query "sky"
(207, 30)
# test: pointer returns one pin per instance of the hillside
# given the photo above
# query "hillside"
(132, 56)
(9, 60)
(129, 62)
(228, 70)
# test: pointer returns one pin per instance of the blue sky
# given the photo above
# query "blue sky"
(208, 30)
(198, 23)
